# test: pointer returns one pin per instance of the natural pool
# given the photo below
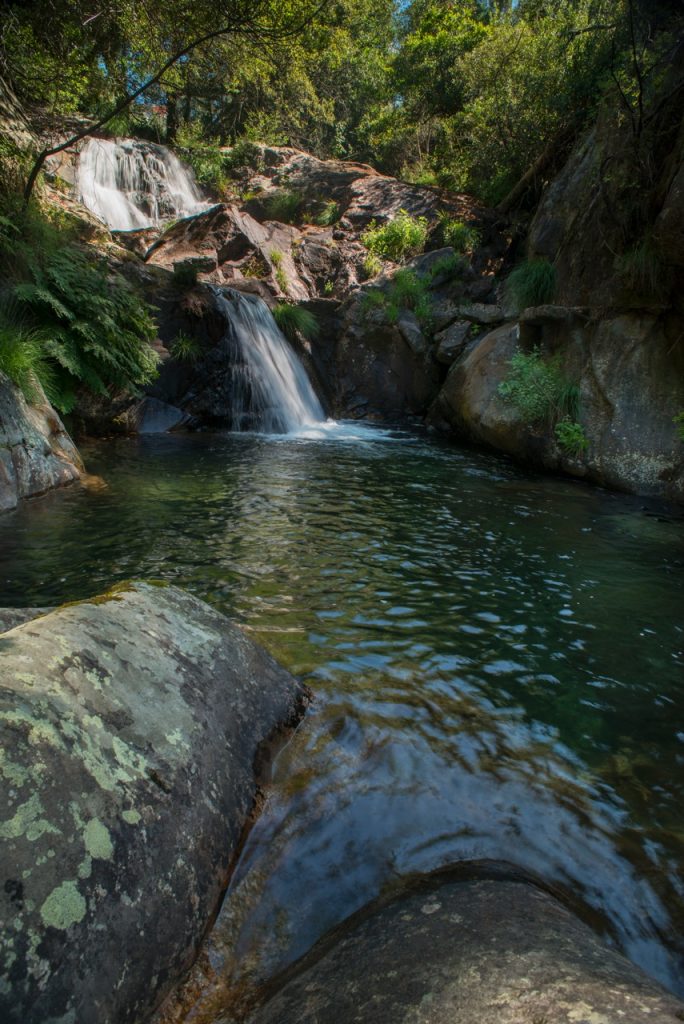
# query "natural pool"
(498, 661)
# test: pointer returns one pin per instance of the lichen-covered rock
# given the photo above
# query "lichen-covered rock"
(129, 729)
(36, 453)
(467, 952)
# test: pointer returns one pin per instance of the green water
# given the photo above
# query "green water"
(497, 658)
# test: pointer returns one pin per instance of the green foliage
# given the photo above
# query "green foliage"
(678, 420)
(399, 239)
(285, 206)
(95, 329)
(406, 291)
(276, 259)
(538, 388)
(328, 288)
(461, 237)
(184, 276)
(329, 214)
(185, 349)
(22, 356)
(372, 265)
(256, 266)
(571, 437)
(447, 267)
(532, 283)
(643, 269)
(293, 320)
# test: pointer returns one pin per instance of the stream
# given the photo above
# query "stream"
(497, 660)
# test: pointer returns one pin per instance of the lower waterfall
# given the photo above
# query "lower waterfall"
(130, 184)
(270, 390)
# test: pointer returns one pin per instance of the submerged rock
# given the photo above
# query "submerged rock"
(129, 729)
(36, 453)
(467, 952)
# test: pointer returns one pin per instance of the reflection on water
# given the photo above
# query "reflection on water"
(497, 661)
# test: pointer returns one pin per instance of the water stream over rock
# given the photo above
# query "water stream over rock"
(270, 391)
(130, 184)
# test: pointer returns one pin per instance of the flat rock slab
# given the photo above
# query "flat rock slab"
(129, 728)
(468, 952)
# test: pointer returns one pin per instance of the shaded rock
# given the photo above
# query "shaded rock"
(152, 416)
(130, 726)
(36, 453)
(482, 313)
(412, 332)
(467, 952)
(452, 341)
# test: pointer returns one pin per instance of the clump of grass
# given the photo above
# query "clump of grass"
(532, 283)
(457, 234)
(372, 265)
(678, 421)
(285, 206)
(571, 437)
(643, 269)
(184, 276)
(399, 239)
(255, 266)
(446, 267)
(329, 214)
(185, 349)
(293, 320)
(407, 291)
(22, 356)
(276, 259)
(538, 388)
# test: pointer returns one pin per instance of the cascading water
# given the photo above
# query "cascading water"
(130, 184)
(270, 391)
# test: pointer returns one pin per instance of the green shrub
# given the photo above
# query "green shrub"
(285, 206)
(184, 276)
(95, 329)
(678, 420)
(458, 235)
(276, 259)
(373, 299)
(399, 239)
(532, 283)
(447, 267)
(328, 288)
(372, 265)
(571, 437)
(538, 388)
(185, 349)
(643, 269)
(407, 291)
(293, 320)
(330, 214)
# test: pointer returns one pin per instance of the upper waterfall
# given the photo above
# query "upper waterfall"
(130, 184)
(270, 391)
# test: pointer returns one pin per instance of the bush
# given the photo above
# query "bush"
(401, 238)
(458, 235)
(538, 389)
(407, 291)
(372, 265)
(294, 320)
(185, 349)
(329, 214)
(533, 283)
(571, 437)
(284, 206)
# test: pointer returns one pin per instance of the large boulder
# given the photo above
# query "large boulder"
(130, 725)
(629, 370)
(36, 453)
(467, 952)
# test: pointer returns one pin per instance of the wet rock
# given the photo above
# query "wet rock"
(11, 617)
(130, 726)
(36, 453)
(476, 952)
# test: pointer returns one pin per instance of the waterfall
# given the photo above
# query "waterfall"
(270, 391)
(130, 184)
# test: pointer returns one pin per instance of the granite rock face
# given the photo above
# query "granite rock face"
(467, 952)
(129, 729)
(36, 453)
